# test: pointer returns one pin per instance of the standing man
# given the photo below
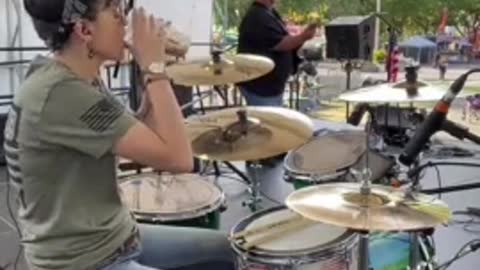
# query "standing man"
(263, 32)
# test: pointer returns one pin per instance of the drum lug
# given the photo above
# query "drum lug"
(294, 263)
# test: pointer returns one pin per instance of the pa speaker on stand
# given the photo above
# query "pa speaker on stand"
(351, 38)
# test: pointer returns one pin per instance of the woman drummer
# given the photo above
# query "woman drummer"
(64, 131)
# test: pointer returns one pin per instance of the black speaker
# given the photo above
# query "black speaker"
(351, 37)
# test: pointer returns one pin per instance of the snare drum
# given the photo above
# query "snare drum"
(328, 158)
(316, 246)
(183, 200)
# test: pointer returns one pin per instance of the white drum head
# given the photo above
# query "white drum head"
(168, 194)
(310, 237)
(327, 154)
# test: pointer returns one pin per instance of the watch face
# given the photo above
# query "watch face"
(157, 67)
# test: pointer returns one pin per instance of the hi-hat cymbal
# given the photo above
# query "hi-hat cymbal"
(248, 133)
(229, 69)
(397, 92)
(385, 209)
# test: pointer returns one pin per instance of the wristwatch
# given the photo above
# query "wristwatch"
(154, 72)
(155, 68)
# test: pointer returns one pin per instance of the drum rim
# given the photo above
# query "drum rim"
(152, 216)
(180, 216)
(346, 241)
(287, 166)
(315, 178)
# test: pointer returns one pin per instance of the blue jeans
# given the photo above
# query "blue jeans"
(256, 100)
(180, 248)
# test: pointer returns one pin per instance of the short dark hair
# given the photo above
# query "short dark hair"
(47, 19)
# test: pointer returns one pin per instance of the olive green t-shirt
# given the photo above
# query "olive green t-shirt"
(58, 141)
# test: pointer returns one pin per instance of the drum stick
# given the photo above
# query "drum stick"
(266, 227)
(277, 233)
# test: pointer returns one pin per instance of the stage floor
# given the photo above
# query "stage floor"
(448, 239)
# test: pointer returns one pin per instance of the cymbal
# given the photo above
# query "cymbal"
(229, 69)
(394, 92)
(385, 209)
(248, 133)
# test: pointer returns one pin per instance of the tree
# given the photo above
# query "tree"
(410, 16)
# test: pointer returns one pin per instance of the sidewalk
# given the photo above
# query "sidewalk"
(426, 73)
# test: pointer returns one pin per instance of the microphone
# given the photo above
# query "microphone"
(432, 123)
(460, 132)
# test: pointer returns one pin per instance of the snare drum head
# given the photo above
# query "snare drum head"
(154, 194)
(305, 238)
(327, 154)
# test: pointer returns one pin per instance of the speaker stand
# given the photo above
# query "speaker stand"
(348, 70)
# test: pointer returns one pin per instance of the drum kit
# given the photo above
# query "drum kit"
(394, 118)
(330, 221)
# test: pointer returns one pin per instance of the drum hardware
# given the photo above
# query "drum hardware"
(254, 188)
(200, 99)
(220, 69)
(383, 209)
(348, 67)
(184, 200)
(325, 158)
(435, 121)
(300, 246)
(409, 90)
(249, 133)
(366, 208)
(395, 124)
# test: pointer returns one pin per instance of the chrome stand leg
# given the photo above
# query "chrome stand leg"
(363, 260)
(414, 251)
(254, 189)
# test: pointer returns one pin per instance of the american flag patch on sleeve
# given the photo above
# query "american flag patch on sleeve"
(101, 115)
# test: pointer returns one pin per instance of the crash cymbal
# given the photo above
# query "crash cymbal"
(248, 133)
(396, 92)
(228, 69)
(385, 209)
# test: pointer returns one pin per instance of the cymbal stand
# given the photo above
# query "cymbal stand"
(254, 188)
(415, 243)
(233, 134)
(348, 70)
(202, 110)
(366, 174)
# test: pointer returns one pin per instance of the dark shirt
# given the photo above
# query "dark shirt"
(260, 31)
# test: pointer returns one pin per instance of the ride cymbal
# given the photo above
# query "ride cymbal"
(248, 133)
(228, 69)
(397, 92)
(385, 209)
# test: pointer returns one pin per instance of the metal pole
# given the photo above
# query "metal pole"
(414, 251)
(9, 37)
(363, 262)
(377, 26)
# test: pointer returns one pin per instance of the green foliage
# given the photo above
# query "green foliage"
(380, 56)
(410, 16)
